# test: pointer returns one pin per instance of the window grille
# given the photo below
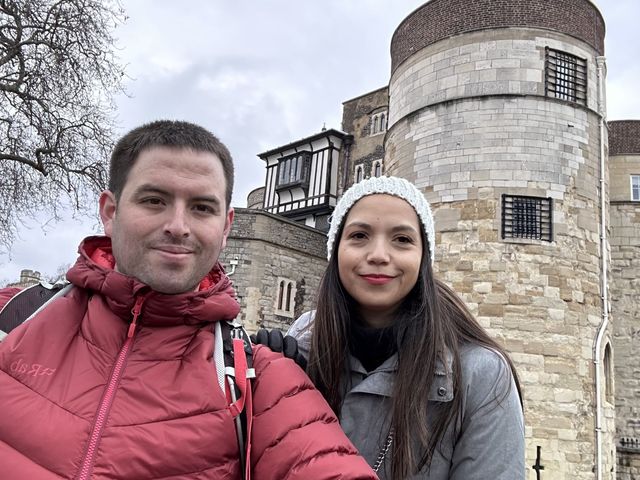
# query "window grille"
(565, 76)
(635, 188)
(527, 217)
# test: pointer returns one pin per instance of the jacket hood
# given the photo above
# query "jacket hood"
(94, 271)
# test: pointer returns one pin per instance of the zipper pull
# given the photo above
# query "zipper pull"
(135, 311)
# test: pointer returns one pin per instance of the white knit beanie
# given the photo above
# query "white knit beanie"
(395, 186)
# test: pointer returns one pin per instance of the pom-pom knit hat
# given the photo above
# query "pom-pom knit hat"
(398, 187)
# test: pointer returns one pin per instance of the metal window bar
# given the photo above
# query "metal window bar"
(565, 76)
(527, 217)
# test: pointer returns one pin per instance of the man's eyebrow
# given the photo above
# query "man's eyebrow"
(148, 188)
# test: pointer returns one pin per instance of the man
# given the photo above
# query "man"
(116, 379)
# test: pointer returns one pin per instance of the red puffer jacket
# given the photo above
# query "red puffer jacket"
(84, 394)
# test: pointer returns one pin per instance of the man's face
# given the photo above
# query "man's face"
(171, 222)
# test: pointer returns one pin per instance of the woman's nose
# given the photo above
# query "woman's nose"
(379, 252)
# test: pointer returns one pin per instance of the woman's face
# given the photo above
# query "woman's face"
(379, 255)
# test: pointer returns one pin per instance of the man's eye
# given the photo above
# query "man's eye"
(152, 201)
(203, 209)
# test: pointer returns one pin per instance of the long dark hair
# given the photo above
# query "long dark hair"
(433, 322)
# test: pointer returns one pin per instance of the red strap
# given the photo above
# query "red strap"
(245, 400)
(240, 368)
(249, 404)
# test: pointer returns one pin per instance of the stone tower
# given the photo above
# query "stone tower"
(497, 111)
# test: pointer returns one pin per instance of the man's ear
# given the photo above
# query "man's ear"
(108, 207)
(227, 226)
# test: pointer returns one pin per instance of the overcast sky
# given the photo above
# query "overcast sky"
(260, 74)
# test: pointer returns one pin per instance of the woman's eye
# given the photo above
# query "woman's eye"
(358, 235)
(403, 239)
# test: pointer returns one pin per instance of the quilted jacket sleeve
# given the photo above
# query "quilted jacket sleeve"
(6, 294)
(296, 436)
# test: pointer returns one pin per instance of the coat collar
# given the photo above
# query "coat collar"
(94, 271)
(381, 380)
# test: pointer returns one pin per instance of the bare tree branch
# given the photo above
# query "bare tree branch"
(58, 77)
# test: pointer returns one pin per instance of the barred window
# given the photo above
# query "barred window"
(565, 76)
(527, 217)
(635, 188)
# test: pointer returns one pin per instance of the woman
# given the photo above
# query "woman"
(420, 388)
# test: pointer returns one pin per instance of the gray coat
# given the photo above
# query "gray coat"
(490, 444)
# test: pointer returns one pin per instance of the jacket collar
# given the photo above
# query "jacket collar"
(94, 271)
(381, 380)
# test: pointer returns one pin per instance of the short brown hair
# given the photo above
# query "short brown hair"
(166, 133)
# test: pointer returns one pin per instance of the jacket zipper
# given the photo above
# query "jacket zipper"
(109, 394)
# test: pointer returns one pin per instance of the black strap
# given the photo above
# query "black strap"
(25, 303)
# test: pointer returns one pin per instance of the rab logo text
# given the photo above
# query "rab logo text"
(33, 369)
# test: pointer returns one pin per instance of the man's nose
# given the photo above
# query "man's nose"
(177, 225)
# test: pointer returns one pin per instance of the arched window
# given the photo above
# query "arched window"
(376, 169)
(378, 123)
(359, 173)
(285, 298)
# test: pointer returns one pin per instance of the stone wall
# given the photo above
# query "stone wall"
(625, 294)
(267, 247)
(484, 63)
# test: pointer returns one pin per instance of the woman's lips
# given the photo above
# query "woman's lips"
(377, 279)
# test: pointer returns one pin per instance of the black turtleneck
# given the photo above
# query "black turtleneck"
(372, 346)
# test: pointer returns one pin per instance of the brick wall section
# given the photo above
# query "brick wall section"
(482, 64)
(621, 167)
(270, 228)
(440, 19)
(266, 247)
(628, 465)
(625, 314)
(356, 120)
(624, 137)
(255, 199)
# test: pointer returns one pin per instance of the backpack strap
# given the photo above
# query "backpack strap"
(233, 357)
(27, 303)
